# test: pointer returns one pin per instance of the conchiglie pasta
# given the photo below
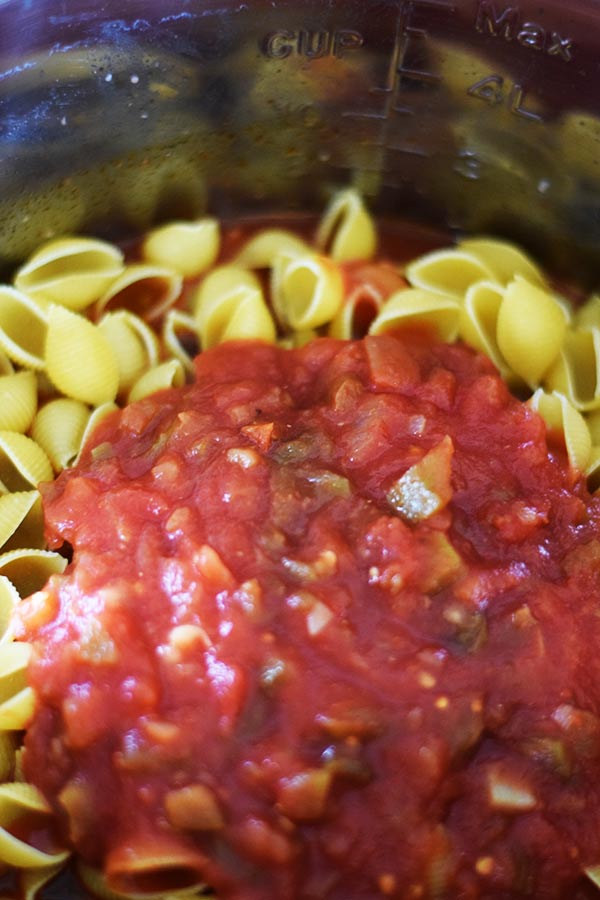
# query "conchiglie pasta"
(416, 307)
(504, 260)
(565, 423)
(261, 250)
(131, 865)
(450, 271)
(181, 337)
(346, 230)
(166, 375)
(58, 428)
(357, 313)
(71, 271)
(29, 568)
(9, 600)
(18, 400)
(229, 305)
(95, 882)
(575, 372)
(23, 463)
(478, 321)
(189, 248)
(306, 291)
(16, 697)
(31, 881)
(144, 289)
(588, 314)
(21, 521)
(96, 416)
(531, 328)
(23, 328)
(134, 344)
(79, 359)
(19, 801)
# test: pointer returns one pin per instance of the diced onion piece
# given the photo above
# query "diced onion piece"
(509, 795)
(425, 488)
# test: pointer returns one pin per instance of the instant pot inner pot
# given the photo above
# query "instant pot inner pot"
(476, 115)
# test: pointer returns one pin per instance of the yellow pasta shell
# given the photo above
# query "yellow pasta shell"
(21, 521)
(18, 400)
(167, 375)
(14, 659)
(531, 328)
(17, 799)
(187, 247)
(218, 285)
(15, 715)
(32, 881)
(593, 422)
(261, 250)
(29, 569)
(97, 415)
(575, 372)
(144, 289)
(478, 320)
(588, 314)
(229, 304)
(23, 326)
(95, 882)
(563, 419)
(8, 747)
(79, 358)
(346, 230)
(307, 291)
(58, 428)
(450, 271)
(350, 320)
(9, 599)
(23, 463)
(70, 271)
(134, 344)
(181, 337)
(504, 259)
(415, 306)
(592, 471)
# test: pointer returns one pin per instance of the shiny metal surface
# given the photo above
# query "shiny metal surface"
(467, 114)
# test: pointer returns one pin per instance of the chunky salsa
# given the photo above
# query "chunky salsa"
(330, 630)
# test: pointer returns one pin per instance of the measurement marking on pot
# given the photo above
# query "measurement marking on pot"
(495, 90)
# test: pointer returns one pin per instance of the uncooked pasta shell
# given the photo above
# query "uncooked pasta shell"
(261, 250)
(181, 337)
(18, 400)
(144, 289)
(79, 358)
(306, 291)
(188, 248)
(167, 375)
(134, 344)
(346, 230)
(416, 307)
(530, 331)
(71, 271)
(575, 373)
(505, 260)
(23, 326)
(567, 423)
(17, 801)
(58, 428)
(21, 521)
(450, 271)
(30, 569)
(23, 463)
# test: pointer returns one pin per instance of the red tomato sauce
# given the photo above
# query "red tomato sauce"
(330, 630)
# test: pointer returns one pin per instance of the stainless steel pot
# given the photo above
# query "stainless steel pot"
(480, 115)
